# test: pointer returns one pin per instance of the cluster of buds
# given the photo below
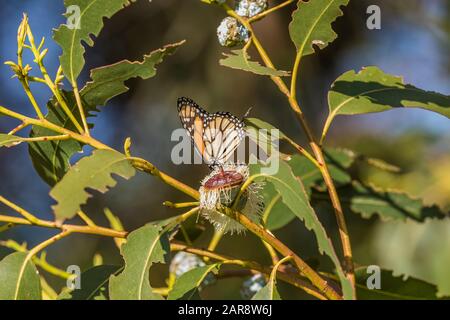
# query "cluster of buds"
(252, 285)
(221, 188)
(230, 32)
(183, 262)
(250, 8)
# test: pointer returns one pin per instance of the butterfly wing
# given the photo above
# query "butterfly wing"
(215, 136)
(194, 120)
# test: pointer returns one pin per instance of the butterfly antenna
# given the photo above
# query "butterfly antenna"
(247, 113)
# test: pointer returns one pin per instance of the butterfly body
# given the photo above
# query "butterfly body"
(214, 135)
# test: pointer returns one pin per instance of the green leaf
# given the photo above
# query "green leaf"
(393, 287)
(338, 160)
(51, 158)
(144, 247)
(94, 284)
(7, 140)
(311, 24)
(372, 90)
(19, 278)
(389, 205)
(295, 198)
(188, 284)
(109, 81)
(69, 38)
(239, 59)
(276, 214)
(90, 172)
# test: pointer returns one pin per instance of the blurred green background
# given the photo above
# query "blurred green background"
(414, 41)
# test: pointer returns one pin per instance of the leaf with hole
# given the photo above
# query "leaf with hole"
(144, 247)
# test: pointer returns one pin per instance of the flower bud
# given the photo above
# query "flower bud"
(230, 33)
(250, 8)
(252, 285)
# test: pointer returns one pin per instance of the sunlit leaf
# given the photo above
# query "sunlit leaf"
(7, 140)
(311, 24)
(239, 59)
(109, 81)
(144, 247)
(19, 279)
(372, 90)
(92, 172)
(188, 284)
(82, 28)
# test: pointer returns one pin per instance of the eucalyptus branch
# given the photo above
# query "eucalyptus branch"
(39, 261)
(39, 56)
(30, 217)
(261, 15)
(80, 107)
(285, 276)
(303, 268)
(18, 128)
(318, 153)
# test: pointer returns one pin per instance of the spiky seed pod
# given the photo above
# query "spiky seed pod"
(250, 8)
(252, 285)
(220, 188)
(231, 33)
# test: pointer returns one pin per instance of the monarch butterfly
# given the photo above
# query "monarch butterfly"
(214, 135)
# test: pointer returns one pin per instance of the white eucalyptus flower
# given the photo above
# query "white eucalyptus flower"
(220, 188)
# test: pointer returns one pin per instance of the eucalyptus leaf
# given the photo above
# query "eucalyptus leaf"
(109, 81)
(372, 90)
(19, 278)
(311, 24)
(144, 247)
(82, 24)
(8, 140)
(392, 287)
(92, 172)
(51, 158)
(387, 204)
(276, 214)
(239, 59)
(94, 284)
(188, 284)
(338, 160)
